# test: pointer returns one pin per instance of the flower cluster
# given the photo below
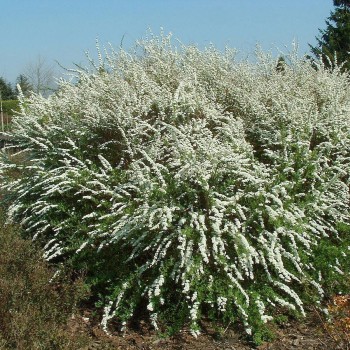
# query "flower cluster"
(184, 177)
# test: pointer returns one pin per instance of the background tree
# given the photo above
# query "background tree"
(281, 64)
(40, 76)
(25, 85)
(6, 90)
(333, 44)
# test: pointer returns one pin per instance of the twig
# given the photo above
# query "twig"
(324, 325)
(227, 327)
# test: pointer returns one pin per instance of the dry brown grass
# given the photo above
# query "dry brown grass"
(35, 314)
(338, 325)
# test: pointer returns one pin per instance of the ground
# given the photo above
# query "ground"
(311, 333)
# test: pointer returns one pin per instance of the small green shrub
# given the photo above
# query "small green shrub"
(188, 184)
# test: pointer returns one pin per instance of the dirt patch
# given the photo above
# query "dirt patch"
(312, 333)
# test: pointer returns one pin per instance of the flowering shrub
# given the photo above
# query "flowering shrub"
(189, 183)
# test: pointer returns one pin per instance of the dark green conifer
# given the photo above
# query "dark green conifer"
(23, 81)
(6, 90)
(333, 44)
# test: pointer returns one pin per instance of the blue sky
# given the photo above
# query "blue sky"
(63, 30)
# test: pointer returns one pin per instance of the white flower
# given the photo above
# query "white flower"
(222, 303)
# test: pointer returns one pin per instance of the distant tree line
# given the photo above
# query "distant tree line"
(8, 92)
(38, 78)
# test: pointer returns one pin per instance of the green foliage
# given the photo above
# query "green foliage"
(331, 259)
